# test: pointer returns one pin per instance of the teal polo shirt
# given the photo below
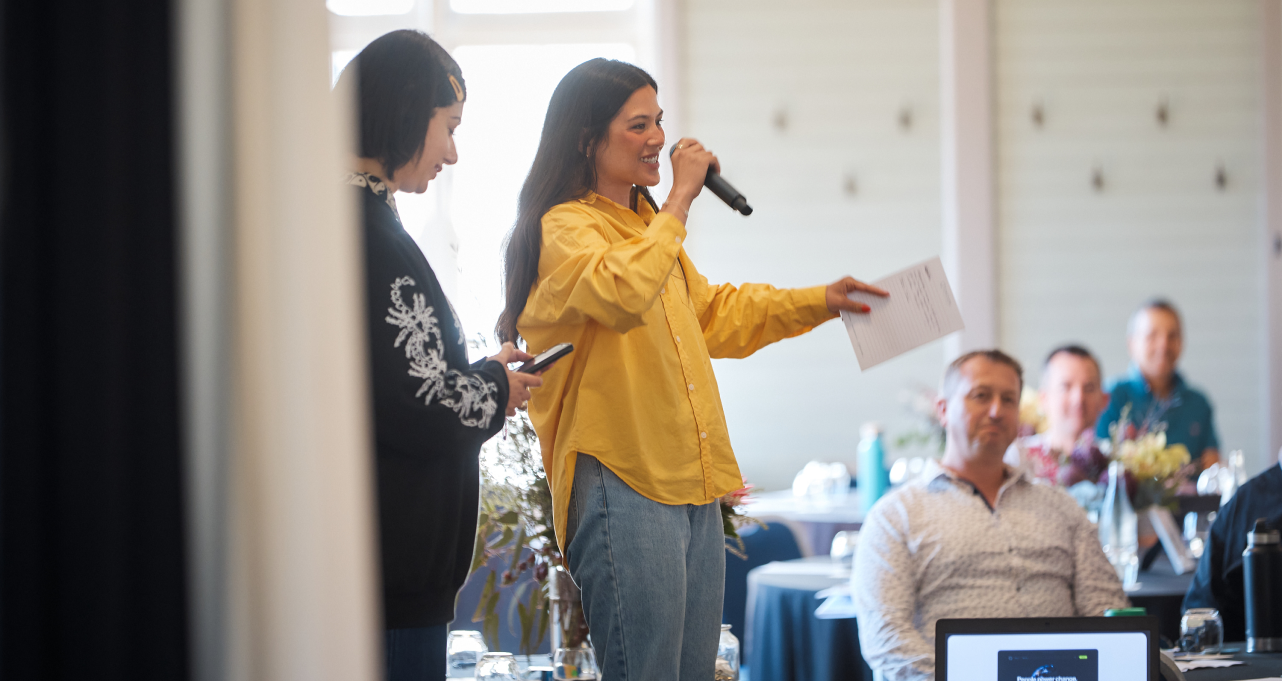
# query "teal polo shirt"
(1186, 412)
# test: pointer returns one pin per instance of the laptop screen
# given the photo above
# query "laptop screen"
(1044, 654)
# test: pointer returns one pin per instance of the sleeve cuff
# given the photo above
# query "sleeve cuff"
(666, 226)
(497, 373)
(812, 305)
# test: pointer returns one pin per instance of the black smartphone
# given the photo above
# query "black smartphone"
(546, 358)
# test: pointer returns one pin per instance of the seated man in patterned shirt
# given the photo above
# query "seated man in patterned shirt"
(972, 537)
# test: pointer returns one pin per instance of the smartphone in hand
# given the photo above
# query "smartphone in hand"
(546, 358)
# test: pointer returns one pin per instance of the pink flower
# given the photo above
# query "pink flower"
(739, 497)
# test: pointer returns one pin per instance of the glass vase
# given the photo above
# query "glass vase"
(727, 656)
(1119, 528)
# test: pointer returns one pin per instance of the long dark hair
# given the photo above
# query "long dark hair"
(402, 78)
(578, 119)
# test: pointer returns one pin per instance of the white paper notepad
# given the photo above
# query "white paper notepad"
(920, 309)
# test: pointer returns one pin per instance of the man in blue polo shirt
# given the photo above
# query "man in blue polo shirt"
(1157, 394)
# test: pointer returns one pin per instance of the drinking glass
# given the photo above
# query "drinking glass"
(1197, 529)
(1209, 481)
(843, 545)
(1201, 631)
(463, 649)
(498, 667)
(574, 663)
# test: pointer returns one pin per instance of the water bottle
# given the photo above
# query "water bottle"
(873, 477)
(1262, 577)
(1119, 527)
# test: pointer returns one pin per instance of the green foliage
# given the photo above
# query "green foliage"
(515, 523)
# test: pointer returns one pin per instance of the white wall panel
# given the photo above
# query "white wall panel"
(1074, 261)
(840, 72)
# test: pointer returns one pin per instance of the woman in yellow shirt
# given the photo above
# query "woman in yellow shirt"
(631, 426)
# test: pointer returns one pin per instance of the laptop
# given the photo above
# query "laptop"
(1047, 649)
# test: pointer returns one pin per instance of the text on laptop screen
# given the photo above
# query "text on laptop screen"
(1100, 656)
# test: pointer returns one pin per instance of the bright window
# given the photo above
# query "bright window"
(508, 88)
(366, 8)
(338, 61)
(462, 219)
(532, 6)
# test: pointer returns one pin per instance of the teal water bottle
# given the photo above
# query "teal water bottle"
(873, 477)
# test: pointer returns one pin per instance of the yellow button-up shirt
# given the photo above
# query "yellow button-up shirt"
(638, 391)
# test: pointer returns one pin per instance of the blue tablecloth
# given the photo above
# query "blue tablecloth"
(788, 643)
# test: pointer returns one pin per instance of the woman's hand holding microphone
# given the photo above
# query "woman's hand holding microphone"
(518, 384)
(690, 163)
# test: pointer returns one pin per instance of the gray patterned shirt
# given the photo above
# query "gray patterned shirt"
(933, 549)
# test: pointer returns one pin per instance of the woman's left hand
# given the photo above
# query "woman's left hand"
(518, 384)
(838, 301)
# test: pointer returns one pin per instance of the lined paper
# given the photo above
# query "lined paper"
(920, 309)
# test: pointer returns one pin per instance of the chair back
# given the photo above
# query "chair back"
(764, 545)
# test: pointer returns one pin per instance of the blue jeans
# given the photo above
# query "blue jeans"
(652, 577)
(415, 654)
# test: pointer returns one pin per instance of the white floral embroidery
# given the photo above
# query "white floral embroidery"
(375, 185)
(471, 397)
(457, 325)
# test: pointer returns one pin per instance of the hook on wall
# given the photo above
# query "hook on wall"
(1163, 113)
(1097, 179)
(780, 119)
(849, 186)
(1038, 114)
(1221, 177)
(905, 118)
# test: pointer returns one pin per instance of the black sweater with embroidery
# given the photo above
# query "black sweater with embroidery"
(432, 412)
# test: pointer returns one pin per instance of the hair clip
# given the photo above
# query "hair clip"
(458, 89)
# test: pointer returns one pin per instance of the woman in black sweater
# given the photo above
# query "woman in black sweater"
(432, 410)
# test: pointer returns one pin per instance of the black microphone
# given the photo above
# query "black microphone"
(722, 189)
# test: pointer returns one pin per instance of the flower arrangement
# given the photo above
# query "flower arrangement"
(733, 517)
(1031, 418)
(1158, 469)
(920, 402)
(516, 523)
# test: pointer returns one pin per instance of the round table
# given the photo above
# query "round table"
(814, 521)
(785, 641)
(1161, 593)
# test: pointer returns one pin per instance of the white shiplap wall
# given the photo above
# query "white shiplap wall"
(840, 72)
(1074, 262)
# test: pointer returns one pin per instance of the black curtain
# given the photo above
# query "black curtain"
(92, 582)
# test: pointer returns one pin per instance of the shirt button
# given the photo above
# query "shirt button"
(678, 339)
(678, 239)
(703, 435)
(691, 386)
(663, 290)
